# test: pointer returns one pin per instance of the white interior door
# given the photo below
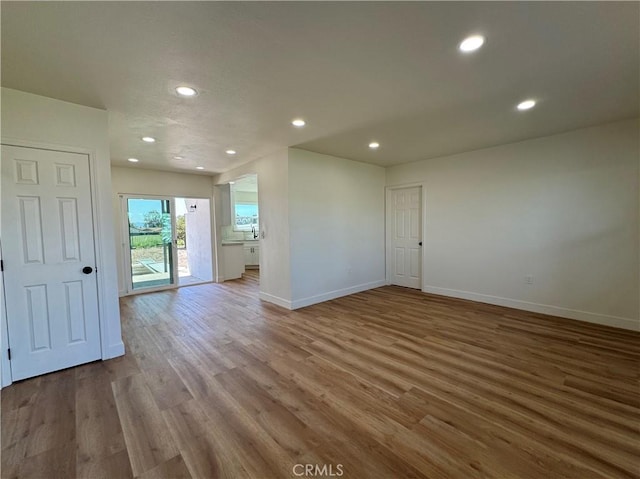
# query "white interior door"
(405, 250)
(49, 261)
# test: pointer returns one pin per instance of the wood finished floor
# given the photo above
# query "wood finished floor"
(389, 383)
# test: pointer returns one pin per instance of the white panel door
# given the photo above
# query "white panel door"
(406, 237)
(47, 226)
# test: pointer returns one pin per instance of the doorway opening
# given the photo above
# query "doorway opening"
(239, 228)
(193, 240)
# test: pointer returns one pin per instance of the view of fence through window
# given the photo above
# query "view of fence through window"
(169, 241)
(150, 242)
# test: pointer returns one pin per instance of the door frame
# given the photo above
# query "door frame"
(126, 245)
(211, 238)
(388, 190)
(5, 366)
(101, 280)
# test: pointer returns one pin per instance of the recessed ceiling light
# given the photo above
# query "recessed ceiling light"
(133, 160)
(178, 158)
(471, 44)
(298, 122)
(232, 182)
(186, 91)
(374, 145)
(230, 152)
(526, 105)
(199, 167)
(148, 139)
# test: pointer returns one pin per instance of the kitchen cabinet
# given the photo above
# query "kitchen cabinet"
(232, 261)
(225, 205)
(252, 255)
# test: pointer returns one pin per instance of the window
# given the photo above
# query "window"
(244, 203)
(246, 216)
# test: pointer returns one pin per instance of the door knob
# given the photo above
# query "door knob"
(420, 244)
(87, 270)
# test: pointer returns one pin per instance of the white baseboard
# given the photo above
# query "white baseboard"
(301, 303)
(113, 351)
(285, 303)
(614, 321)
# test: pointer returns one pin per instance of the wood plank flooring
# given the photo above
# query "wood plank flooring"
(389, 383)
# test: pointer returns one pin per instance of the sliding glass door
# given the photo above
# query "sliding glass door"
(151, 242)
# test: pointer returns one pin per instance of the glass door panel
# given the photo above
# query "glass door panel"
(151, 234)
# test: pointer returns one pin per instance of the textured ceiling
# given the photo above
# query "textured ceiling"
(356, 71)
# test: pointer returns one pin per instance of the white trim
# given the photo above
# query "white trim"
(606, 320)
(215, 251)
(154, 289)
(285, 303)
(116, 349)
(404, 185)
(113, 351)
(301, 303)
(126, 259)
(39, 145)
(5, 366)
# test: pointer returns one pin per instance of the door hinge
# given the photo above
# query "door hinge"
(9, 353)
(1, 265)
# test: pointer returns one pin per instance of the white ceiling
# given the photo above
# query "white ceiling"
(356, 71)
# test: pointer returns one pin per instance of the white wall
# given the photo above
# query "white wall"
(273, 204)
(563, 208)
(38, 121)
(140, 181)
(198, 239)
(336, 218)
(249, 197)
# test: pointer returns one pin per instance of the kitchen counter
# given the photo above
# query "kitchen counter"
(228, 242)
